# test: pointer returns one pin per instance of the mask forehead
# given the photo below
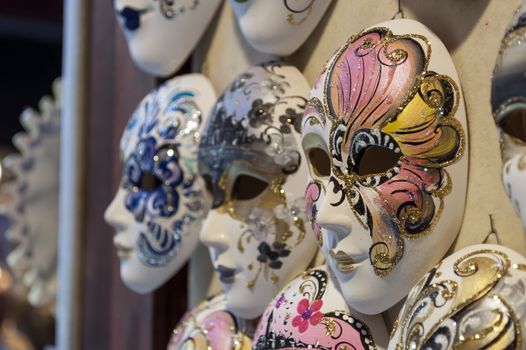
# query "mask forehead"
(254, 119)
(308, 313)
(169, 114)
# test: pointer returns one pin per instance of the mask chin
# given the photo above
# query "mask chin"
(161, 36)
(293, 23)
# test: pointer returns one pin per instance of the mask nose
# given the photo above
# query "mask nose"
(213, 234)
(116, 214)
(334, 214)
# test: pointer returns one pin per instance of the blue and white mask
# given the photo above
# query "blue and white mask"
(158, 209)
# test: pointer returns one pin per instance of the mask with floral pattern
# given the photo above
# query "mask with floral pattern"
(257, 230)
(311, 313)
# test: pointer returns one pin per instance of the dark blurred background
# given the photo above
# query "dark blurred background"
(30, 57)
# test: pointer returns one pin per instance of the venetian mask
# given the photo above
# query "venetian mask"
(384, 136)
(293, 22)
(161, 34)
(310, 313)
(32, 212)
(209, 326)
(509, 107)
(473, 299)
(257, 232)
(159, 207)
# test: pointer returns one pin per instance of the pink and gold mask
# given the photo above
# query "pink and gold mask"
(380, 132)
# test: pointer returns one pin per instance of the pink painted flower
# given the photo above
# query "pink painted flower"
(307, 313)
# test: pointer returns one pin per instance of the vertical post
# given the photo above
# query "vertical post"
(71, 170)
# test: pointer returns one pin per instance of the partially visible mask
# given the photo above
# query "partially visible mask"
(161, 34)
(257, 231)
(158, 210)
(209, 326)
(473, 299)
(311, 313)
(292, 23)
(509, 110)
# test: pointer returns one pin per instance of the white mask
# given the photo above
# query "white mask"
(161, 34)
(384, 132)
(509, 106)
(473, 299)
(311, 313)
(292, 22)
(257, 232)
(33, 211)
(159, 207)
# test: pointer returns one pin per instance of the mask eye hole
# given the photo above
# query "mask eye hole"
(514, 124)
(248, 187)
(320, 162)
(149, 182)
(375, 160)
(209, 184)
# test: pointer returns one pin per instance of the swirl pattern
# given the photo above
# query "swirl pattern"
(472, 300)
(380, 94)
(160, 173)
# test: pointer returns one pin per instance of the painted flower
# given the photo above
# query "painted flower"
(283, 151)
(281, 300)
(308, 313)
(261, 224)
(282, 212)
(298, 207)
(272, 255)
(374, 82)
(290, 118)
(240, 81)
(293, 209)
(277, 87)
(260, 113)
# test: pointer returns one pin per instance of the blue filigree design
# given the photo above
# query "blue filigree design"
(156, 175)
